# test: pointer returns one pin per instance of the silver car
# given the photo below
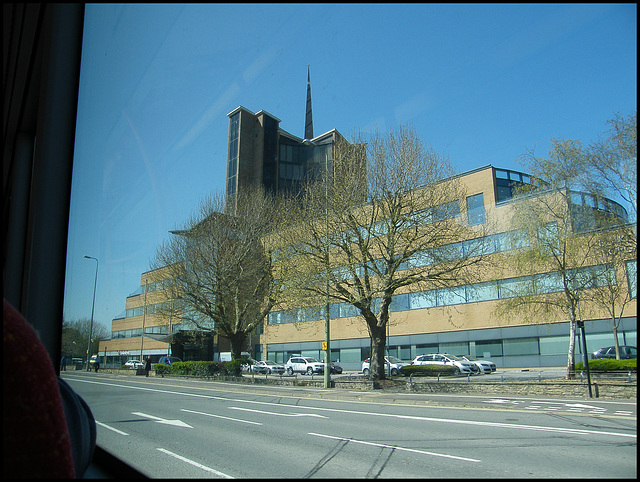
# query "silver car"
(460, 365)
(134, 364)
(486, 367)
(267, 366)
(392, 365)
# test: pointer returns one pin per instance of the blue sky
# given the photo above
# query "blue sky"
(481, 83)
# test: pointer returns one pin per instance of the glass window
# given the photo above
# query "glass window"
(500, 174)
(488, 348)
(521, 346)
(425, 349)
(400, 303)
(595, 341)
(548, 283)
(475, 209)
(350, 355)
(482, 292)
(451, 296)
(311, 353)
(554, 345)
(503, 193)
(509, 288)
(425, 299)
(457, 349)
(479, 246)
(632, 278)
(515, 176)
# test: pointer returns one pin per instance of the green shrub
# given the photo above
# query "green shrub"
(427, 370)
(200, 369)
(162, 369)
(607, 364)
(234, 367)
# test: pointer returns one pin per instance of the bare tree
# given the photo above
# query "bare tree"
(365, 236)
(559, 268)
(75, 337)
(616, 284)
(610, 165)
(218, 273)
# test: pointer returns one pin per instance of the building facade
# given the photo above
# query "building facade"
(457, 321)
(461, 320)
(150, 327)
(259, 153)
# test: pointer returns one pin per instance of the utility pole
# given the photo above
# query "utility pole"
(144, 314)
(327, 319)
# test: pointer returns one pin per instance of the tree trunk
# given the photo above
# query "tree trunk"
(615, 338)
(237, 341)
(571, 364)
(378, 345)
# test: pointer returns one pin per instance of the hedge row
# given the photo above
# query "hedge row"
(607, 364)
(427, 370)
(202, 368)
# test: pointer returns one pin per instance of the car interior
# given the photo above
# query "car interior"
(42, 46)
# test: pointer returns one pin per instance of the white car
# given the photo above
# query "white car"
(392, 365)
(486, 367)
(267, 366)
(134, 364)
(304, 364)
(460, 365)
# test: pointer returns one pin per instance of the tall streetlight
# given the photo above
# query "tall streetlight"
(144, 315)
(326, 345)
(93, 305)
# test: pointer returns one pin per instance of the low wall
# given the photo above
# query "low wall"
(620, 388)
(549, 389)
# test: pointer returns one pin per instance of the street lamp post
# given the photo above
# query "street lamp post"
(93, 305)
(144, 315)
(327, 321)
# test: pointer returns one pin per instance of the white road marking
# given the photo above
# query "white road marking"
(175, 423)
(581, 405)
(111, 428)
(424, 452)
(279, 414)
(220, 416)
(195, 464)
(356, 412)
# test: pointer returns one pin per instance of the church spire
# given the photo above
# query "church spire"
(308, 124)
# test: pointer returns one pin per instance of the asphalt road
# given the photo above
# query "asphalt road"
(202, 429)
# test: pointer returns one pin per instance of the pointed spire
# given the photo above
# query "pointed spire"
(308, 124)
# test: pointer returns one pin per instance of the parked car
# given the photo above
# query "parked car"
(134, 364)
(168, 360)
(626, 352)
(486, 367)
(303, 364)
(267, 366)
(392, 365)
(248, 367)
(334, 368)
(461, 366)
